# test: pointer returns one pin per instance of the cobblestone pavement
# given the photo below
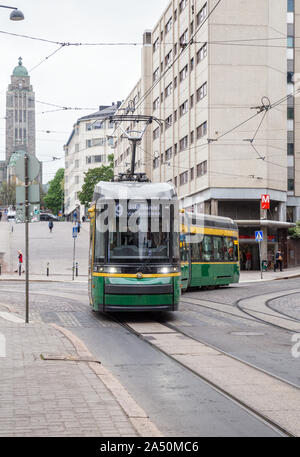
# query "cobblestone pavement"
(52, 398)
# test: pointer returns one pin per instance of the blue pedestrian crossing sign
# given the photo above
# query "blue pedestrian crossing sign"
(259, 236)
(75, 231)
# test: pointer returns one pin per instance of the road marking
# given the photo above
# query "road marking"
(11, 317)
(270, 397)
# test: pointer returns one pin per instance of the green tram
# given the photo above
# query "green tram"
(209, 251)
(134, 247)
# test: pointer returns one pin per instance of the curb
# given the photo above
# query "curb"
(137, 416)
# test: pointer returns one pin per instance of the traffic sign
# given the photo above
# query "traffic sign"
(75, 231)
(259, 236)
(33, 213)
(33, 168)
(33, 193)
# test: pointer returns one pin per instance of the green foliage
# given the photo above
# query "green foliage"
(7, 194)
(54, 198)
(92, 177)
(294, 232)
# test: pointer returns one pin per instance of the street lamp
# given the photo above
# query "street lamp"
(15, 15)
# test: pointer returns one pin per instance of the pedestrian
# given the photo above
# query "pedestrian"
(83, 218)
(75, 217)
(278, 260)
(78, 226)
(0, 215)
(50, 225)
(20, 262)
(248, 260)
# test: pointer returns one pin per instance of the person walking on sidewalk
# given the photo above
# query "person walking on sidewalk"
(50, 225)
(248, 260)
(278, 260)
(0, 215)
(20, 263)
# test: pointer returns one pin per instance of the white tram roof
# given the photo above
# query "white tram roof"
(127, 190)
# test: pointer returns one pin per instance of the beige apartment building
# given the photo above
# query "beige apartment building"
(87, 147)
(206, 68)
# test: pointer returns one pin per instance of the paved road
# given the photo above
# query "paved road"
(160, 385)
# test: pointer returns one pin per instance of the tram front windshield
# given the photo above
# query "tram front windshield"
(151, 242)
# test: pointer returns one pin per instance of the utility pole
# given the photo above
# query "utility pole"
(26, 239)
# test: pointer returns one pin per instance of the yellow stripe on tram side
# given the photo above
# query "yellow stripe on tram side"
(120, 275)
(208, 231)
(215, 263)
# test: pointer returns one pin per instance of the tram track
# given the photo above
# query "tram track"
(146, 337)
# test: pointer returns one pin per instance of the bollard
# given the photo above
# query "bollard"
(20, 269)
(76, 268)
(47, 268)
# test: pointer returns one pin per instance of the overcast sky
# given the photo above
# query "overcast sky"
(75, 76)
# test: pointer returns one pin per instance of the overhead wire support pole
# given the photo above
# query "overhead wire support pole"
(26, 240)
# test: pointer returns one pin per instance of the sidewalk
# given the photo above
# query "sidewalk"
(255, 276)
(49, 388)
(44, 278)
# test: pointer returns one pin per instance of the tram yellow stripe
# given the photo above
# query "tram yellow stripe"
(208, 231)
(120, 275)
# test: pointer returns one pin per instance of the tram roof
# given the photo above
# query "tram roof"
(134, 190)
(212, 221)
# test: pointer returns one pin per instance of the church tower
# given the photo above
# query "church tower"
(20, 117)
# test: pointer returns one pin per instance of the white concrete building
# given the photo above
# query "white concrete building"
(209, 67)
(87, 147)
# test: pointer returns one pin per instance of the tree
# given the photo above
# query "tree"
(54, 197)
(8, 194)
(294, 232)
(92, 177)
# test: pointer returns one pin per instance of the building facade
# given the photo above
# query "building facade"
(216, 71)
(88, 147)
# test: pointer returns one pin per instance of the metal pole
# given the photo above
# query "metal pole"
(73, 269)
(133, 157)
(261, 271)
(26, 239)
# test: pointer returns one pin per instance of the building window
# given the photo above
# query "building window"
(192, 137)
(168, 154)
(161, 67)
(291, 184)
(192, 101)
(168, 90)
(175, 82)
(183, 143)
(290, 76)
(24, 116)
(100, 158)
(202, 130)
(202, 53)
(155, 75)
(290, 149)
(88, 159)
(168, 121)
(183, 109)
(175, 181)
(291, 6)
(290, 113)
(192, 174)
(162, 97)
(76, 179)
(175, 49)
(168, 25)
(24, 134)
(76, 147)
(156, 103)
(182, 5)
(175, 15)
(183, 73)
(202, 169)
(201, 15)
(156, 133)
(156, 45)
(290, 41)
(175, 149)
(184, 38)
(175, 115)
(290, 214)
(201, 92)
(184, 178)
(168, 58)
(20, 115)
(192, 28)
(16, 116)
(161, 35)
(192, 64)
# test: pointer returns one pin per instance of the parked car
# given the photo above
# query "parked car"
(11, 215)
(48, 217)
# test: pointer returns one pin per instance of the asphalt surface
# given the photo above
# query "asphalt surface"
(178, 401)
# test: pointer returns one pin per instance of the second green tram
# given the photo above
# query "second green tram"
(209, 251)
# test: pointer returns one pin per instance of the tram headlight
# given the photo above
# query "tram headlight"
(164, 270)
(113, 270)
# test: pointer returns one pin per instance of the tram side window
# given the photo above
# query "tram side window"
(207, 249)
(218, 249)
(99, 242)
(229, 250)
